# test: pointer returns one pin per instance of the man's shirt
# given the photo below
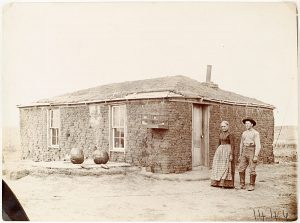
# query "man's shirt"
(251, 138)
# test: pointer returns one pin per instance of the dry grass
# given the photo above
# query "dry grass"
(285, 144)
(285, 153)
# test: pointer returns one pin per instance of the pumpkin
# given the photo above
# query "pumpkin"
(76, 156)
(100, 156)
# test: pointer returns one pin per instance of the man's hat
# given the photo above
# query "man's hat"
(250, 120)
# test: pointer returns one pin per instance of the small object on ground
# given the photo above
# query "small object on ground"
(67, 157)
(77, 156)
(85, 167)
(18, 174)
(100, 156)
(104, 166)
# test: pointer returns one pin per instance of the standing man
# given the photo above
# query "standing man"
(249, 151)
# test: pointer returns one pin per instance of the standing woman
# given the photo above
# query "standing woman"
(223, 167)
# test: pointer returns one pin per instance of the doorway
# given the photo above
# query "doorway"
(200, 136)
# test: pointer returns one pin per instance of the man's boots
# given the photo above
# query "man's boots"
(252, 182)
(242, 180)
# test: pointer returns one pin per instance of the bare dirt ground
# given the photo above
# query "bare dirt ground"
(133, 197)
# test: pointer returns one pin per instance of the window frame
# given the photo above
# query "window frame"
(118, 126)
(55, 128)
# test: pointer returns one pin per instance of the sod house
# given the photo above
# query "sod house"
(169, 124)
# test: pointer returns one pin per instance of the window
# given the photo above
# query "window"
(118, 126)
(54, 127)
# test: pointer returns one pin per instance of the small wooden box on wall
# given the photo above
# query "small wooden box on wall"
(155, 121)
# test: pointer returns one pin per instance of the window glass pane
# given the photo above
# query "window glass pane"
(56, 136)
(117, 132)
(122, 115)
(53, 137)
(122, 121)
(115, 116)
(116, 142)
(54, 116)
(122, 143)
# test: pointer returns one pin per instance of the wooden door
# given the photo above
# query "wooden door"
(198, 150)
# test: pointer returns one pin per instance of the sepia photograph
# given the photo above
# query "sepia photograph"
(149, 111)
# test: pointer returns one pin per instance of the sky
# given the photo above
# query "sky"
(55, 48)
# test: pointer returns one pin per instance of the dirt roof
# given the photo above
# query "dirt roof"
(170, 86)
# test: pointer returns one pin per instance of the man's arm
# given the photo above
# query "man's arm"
(257, 144)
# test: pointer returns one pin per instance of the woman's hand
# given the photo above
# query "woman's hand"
(254, 159)
(230, 158)
(239, 159)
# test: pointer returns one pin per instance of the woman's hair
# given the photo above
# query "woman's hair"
(225, 122)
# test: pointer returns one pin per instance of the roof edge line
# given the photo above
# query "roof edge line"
(240, 103)
(91, 102)
(124, 99)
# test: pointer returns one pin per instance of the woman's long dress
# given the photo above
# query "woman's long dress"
(223, 169)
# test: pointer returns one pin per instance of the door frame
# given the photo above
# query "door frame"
(205, 132)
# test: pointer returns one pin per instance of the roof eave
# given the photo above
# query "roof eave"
(247, 104)
(130, 99)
